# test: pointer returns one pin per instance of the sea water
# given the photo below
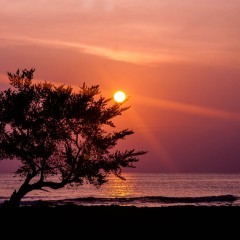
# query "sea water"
(139, 189)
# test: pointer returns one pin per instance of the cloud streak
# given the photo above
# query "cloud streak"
(118, 55)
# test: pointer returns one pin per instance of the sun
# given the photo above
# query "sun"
(119, 96)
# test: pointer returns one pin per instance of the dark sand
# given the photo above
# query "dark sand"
(110, 222)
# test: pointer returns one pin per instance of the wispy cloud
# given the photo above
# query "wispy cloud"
(114, 54)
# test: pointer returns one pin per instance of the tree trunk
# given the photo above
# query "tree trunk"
(16, 197)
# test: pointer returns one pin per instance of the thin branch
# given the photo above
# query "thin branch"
(41, 175)
(45, 190)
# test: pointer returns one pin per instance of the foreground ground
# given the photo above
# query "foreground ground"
(110, 222)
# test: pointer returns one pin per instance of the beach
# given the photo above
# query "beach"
(183, 222)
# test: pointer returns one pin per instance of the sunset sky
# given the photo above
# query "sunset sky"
(177, 61)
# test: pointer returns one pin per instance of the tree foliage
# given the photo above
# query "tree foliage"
(53, 130)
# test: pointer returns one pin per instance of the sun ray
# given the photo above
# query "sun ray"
(190, 108)
(153, 141)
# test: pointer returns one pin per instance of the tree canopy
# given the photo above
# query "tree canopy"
(53, 130)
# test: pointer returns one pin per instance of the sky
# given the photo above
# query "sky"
(177, 61)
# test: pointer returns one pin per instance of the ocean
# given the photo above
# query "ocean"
(140, 190)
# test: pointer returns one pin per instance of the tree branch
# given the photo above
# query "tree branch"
(45, 190)
(55, 185)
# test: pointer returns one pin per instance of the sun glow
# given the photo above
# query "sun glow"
(119, 96)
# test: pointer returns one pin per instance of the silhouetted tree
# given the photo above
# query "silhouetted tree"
(56, 131)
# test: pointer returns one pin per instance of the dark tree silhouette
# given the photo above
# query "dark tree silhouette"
(56, 131)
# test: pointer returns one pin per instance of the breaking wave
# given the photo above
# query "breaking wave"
(139, 201)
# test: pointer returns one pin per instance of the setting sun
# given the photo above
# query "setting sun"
(119, 96)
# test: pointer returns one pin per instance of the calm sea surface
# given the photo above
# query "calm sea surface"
(139, 189)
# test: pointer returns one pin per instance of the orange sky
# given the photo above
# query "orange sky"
(178, 61)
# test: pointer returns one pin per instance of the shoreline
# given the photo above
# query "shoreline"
(190, 209)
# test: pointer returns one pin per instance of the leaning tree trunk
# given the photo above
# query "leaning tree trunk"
(26, 187)
(16, 197)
